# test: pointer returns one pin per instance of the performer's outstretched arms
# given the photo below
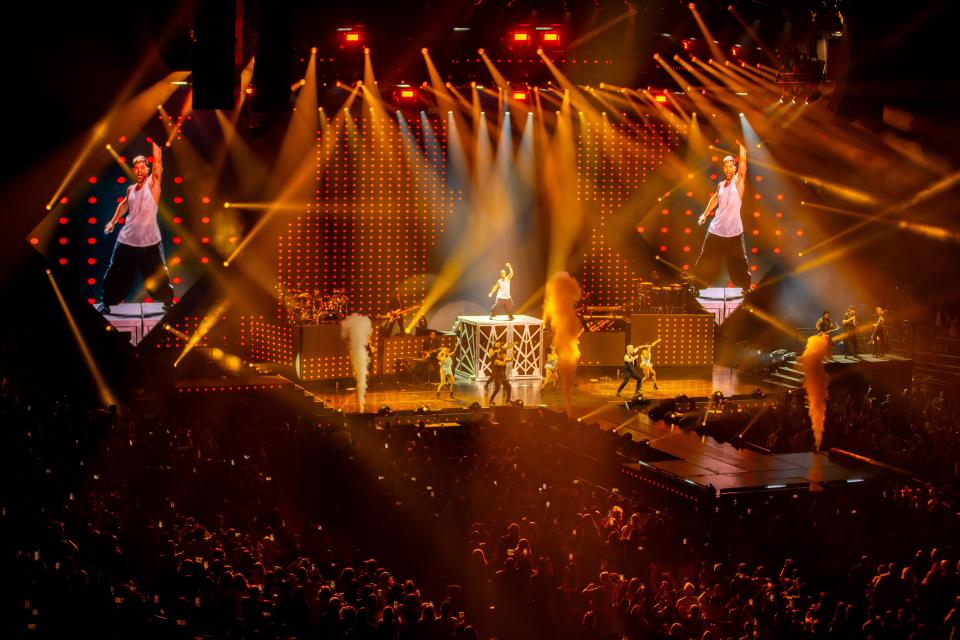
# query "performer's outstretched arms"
(509, 271)
(496, 285)
(121, 209)
(157, 170)
(742, 168)
(711, 205)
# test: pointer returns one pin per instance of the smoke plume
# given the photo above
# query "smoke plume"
(356, 330)
(815, 381)
(560, 299)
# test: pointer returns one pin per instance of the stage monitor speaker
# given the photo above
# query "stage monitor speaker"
(215, 77)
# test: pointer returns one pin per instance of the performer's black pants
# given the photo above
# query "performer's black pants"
(850, 347)
(717, 249)
(506, 303)
(879, 340)
(630, 371)
(126, 262)
(500, 380)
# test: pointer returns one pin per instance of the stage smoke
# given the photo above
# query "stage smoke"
(562, 295)
(815, 381)
(356, 330)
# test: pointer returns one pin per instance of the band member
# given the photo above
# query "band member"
(878, 337)
(724, 239)
(498, 373)
(393, 324)
(850, 324)
(502, 288)
(550, 369)
(445, 358)
(630, 369)
(139, 247)
(429, 349)
(646, 363)
(825, 325)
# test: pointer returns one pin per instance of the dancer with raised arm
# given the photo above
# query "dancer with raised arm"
(502, 288)
(646, 364)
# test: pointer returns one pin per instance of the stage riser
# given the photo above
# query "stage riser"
(886, 376)
(475, 336)
(685, 339)
(602, 349)
(321, 353)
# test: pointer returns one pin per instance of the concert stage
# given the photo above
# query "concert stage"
(678, 461)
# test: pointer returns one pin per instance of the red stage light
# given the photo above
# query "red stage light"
(659, 98)
(351, 36)
(551, 36)
(408, 94)
(520, 95)
(521, 36)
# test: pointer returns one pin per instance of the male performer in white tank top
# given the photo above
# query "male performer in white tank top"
(139, 246)
(502, 288)
(724, 239)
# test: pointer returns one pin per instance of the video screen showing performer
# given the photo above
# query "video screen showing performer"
(138, 249)
(724, 242)
(129, 235)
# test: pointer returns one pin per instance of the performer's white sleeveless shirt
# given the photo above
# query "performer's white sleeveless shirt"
(140, 228)
(726, 221)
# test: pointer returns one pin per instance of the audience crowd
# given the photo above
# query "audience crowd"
(237, 517)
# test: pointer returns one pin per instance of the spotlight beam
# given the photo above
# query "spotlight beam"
(106, 395)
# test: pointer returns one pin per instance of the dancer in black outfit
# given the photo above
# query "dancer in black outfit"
(630, 368)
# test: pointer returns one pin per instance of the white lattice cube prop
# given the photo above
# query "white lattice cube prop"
(477, 334)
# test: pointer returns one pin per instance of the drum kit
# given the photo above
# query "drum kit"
(304, 307)
(657, 298)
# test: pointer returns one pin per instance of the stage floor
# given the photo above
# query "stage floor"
(685, 456)
(590, 393)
